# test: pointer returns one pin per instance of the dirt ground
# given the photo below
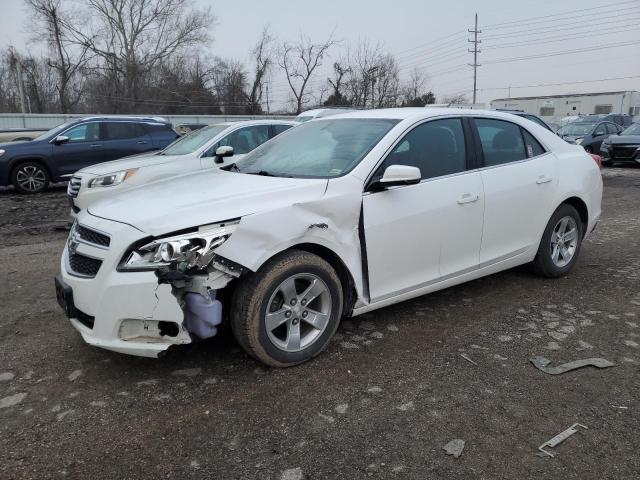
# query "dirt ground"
(390, 392)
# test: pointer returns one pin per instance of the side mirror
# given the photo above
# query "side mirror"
(222, 152)
(395, 175)
(60, 139)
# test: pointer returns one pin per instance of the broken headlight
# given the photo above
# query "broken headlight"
(183, 252)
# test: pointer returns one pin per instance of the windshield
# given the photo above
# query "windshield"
(193, 141)
(53, 131)
(633, 129)
(579, 129)
(319, 149)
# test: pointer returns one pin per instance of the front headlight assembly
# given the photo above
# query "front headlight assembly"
(182, 252)
(112, 179)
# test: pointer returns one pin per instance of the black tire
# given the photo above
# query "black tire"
(30, 177)
(543, 264)
(588, 149)
(251, 302)
(607, 163)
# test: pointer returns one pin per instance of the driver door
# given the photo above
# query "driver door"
(420, 234)
(84, 147)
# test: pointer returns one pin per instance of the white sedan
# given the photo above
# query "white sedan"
(192, 152)
(336, 217)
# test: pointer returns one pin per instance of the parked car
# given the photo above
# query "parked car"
(195, 151)
(322, 112)
(588, 134)
(57, 153)
(528, 116)
(335, 217)
(623, 148)
(20, 134)
(618, 118)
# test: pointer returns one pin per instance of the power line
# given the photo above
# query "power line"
(559, 38)
(543, 18)
(567, 52)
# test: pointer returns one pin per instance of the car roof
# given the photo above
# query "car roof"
(408, 113)
(125, 118)
(241, 123)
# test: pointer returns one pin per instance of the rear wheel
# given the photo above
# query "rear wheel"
(287, 312)
(30, 177)
(560, 244)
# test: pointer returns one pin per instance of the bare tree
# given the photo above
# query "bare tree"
(299, 61)
(338, 97)
(456, 99)
(132, 37)
(263, 57)
(64, 59)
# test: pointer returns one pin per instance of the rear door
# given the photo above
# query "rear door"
(419, 234)
(124, 138)
(519, 178)
(84, 148)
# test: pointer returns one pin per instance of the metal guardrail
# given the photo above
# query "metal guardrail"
(50, 120)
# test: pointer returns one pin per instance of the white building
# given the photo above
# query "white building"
(554, 107)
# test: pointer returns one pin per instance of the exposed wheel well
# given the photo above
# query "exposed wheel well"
(348, 285)
(581, 207)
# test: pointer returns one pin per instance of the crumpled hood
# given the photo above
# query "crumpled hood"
(203, 197)
(134, 161)
(624, 140)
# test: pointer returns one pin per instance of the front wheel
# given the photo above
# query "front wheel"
(560, 244)
(287, 312)
(30, 177)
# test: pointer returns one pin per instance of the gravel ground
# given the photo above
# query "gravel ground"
(391, 391)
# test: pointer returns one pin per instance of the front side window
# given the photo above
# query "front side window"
(611, 128)
(501, 141)
(437, 148)
(245, 139)
(123, 130)
(600, 130)
(87, 132)
(319, 149)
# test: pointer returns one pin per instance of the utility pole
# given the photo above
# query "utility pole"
(475, 52)
(267, 98)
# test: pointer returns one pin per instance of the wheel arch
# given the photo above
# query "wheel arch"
(581, 206)
(17, 161)
(344, 274)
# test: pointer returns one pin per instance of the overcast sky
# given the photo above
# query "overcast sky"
(604, 37)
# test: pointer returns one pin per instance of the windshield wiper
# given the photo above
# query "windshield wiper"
(264, 173)
(234, 167)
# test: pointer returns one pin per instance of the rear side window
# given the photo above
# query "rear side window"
(437, 148)
(501, 141)
(123, 130)
(533, 146)
(278, 129)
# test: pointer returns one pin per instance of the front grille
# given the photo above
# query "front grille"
(74, 186)
(91, 236)
(623, 152)
(85, 266)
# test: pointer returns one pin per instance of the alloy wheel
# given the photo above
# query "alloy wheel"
(31, 178)
(298, 312)
(564, 241)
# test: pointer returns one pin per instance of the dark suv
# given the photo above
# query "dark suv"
(58, 153)
(528, 116)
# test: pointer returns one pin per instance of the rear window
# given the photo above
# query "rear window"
(501, 141)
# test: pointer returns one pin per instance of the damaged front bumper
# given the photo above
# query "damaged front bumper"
(126, 312)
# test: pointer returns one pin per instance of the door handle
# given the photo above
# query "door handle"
(142, 142)
(468, 198)
(543, 179)
(95, 145)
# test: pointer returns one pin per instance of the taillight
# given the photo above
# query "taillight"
(597, 159)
